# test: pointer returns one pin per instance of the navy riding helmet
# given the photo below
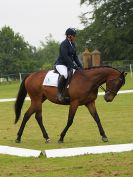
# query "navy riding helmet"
(70, 31)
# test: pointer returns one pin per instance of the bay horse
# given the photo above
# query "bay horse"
(83, 90)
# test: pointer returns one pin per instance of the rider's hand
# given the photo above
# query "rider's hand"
(75, 67)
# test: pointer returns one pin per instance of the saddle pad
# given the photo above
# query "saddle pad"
(51, 79)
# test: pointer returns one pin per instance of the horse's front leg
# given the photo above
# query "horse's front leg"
(92, 109)
(38, 116)
(72, 110)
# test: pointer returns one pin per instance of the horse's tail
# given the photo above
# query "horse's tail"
(20, 99)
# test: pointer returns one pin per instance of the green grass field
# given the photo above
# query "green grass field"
(116, 118)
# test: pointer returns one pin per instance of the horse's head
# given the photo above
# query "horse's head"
(113, 86)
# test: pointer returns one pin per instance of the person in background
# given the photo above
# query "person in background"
(67, 60)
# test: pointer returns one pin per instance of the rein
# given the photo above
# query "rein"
(103, 88)
(108, 90)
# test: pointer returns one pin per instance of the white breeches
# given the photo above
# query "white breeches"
(62, 69)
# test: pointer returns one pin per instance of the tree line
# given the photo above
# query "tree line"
(108, 27)
(16, 55)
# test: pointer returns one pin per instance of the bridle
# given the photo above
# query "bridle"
(108, 89)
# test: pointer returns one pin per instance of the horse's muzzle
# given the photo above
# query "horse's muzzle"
(109, 97)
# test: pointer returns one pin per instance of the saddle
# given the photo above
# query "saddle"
(52, 79)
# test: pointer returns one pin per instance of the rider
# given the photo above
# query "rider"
(67, 60)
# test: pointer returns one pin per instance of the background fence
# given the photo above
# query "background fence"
(124, 65)
(12, 77)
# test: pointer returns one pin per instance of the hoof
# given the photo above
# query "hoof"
(47, 141)
(60, 141)
(18, 141)
(105, 139)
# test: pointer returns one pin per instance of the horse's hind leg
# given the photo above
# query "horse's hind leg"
(91, 107)
(25, 119)
(38, 117)
(72, 110)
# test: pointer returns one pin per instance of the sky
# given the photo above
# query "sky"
(36, 19)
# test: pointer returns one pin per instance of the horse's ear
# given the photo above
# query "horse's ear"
(124, 74)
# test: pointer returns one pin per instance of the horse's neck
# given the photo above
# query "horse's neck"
(99, 75)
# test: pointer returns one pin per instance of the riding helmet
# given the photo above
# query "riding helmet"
(70, 31)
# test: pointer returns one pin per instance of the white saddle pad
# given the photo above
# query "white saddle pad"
(51, 79)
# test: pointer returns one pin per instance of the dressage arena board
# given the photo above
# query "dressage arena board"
(88, 150)
(19, 151)
(66, 152)
(99, 93)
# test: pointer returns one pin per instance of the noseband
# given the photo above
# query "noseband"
(108, 89)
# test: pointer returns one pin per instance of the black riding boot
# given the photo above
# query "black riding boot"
(61, 87)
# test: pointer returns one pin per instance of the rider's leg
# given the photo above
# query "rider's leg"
(61, 81)
(61, 87)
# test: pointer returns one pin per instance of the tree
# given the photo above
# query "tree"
(48, 52)
(112, 28)
(15, 54)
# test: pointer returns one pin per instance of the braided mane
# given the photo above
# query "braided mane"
(95, 67)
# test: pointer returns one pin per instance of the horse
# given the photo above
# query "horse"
(82, 90)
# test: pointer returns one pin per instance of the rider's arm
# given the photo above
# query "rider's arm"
(77, 61)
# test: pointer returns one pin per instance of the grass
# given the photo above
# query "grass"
(103, 165)
(9, 90)
(116, 118)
